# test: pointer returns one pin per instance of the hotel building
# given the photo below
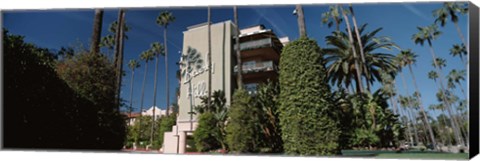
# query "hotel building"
(260, 52)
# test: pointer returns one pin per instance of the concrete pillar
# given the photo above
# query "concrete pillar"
(182, 142)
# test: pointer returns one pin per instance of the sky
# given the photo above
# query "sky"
(54, 29)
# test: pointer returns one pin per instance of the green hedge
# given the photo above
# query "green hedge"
(307, 127)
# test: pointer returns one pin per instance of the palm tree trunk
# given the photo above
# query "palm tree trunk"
(131, 94)
(209, 59)
(237, 49)
(301, 21)
(350, 37)
(166, 70)
(154, 99)
(429, 128)
(97, 31)
(447, 133)
(463, 131)
(410, 104)
(143, 92)
(119, 54)
(409, 131)
(447, 105)
(461, 35)
(463, 90)
(360, 46)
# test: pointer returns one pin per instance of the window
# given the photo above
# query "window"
(251, 88)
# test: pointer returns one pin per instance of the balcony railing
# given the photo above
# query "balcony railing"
(258, 67)
(255, 44)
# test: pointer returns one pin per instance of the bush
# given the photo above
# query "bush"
(308, 128)
(43, 110)
(243, 132)
(204, 134)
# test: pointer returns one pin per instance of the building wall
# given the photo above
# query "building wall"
(196, 38)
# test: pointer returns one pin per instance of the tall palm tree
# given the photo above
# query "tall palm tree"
(360, 46)
(461, 51)
(164, 19)
(132, 64)
(118, 60)
(454, 77)
(97, 31)
(237, 48)
(333, 13)
(451, 9)
(354, 51)
(429, 33)
(301, 21)
(342, 67)
(209, 57)
(145, 56)
(409, 58)
(157, 50)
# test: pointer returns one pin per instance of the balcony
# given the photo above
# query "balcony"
(256, 44)
(257, 67)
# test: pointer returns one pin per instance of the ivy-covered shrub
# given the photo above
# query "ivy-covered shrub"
(308, 127)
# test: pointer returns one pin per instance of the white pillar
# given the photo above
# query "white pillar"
(181, 142)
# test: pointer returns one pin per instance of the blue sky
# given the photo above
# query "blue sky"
(57, 28)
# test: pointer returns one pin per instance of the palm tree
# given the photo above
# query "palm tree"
(429, 33)
(145, 56)
(132, 64)
(409, 58)
(209, 57)
(455, 77)
(444, 131)
(97, 31)
(459, 50)
(360, 46)
(301, 21)
(164, 19)
(189, 61)
(341, 63)
(451, 9)
(119, 45)
(333, 13)
(354, 51)
(237, 48)
(405, 102)
(157, 50)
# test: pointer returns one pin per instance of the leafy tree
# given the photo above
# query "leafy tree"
(204, 134)
(266, 99)
(68, 106)
(218, 110)
(308, 127)
(242, 129)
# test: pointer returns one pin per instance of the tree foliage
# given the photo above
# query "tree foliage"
(308, 127)
(243, 134)
(56, 110)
